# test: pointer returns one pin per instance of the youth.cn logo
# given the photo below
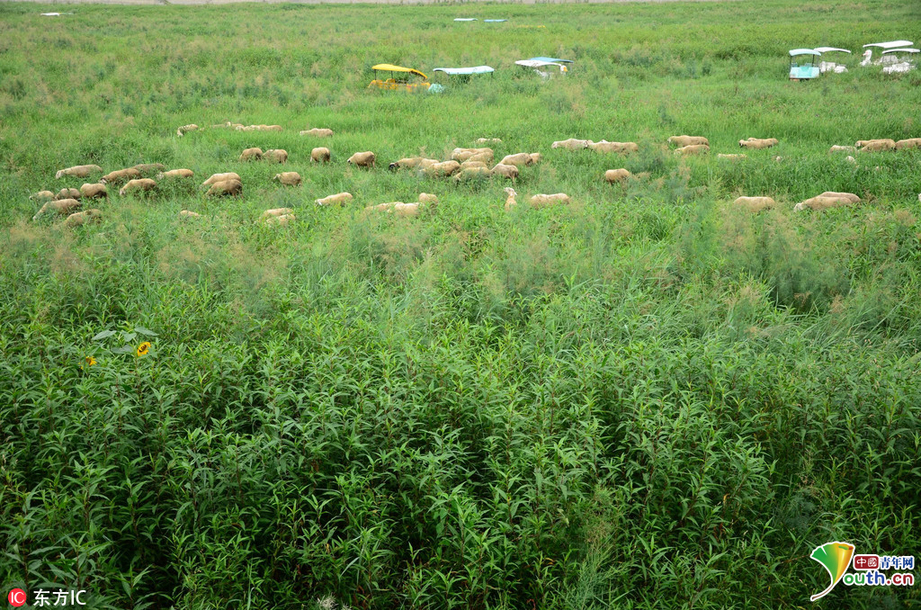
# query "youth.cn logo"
(837, 557)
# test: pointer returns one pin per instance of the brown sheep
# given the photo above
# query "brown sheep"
(483, 157)
(43, 196)
(693, 149)
(121, 175)
(176, 173)
(139, 185)
(428, 198)
(69, 193)
(616, 175)
(337, 199)
(875, 145)
(186, 129)
(614, 147)
(362, 159)
(215, 178)
(251, 154)
(472, 173)
(682, 141)
(520, 159)
(909, 143)
(279, 221)
(183, 214)
(58, 206)
(755, 204)
(149, 168)
(318, 132)
(509, 172)
(411, 163)
(288, 178)
(85, 217)
(758, 143)
(320, 155)
(851, 197)
(225, 188)
(276, 155)
(79, 171)
(94, 191)
(470, 164)
(572, 144)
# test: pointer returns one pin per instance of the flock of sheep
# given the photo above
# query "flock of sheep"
(463, 164)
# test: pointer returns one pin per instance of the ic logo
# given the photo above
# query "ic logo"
(17, 598)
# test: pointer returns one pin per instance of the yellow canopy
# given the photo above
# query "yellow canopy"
(393, 68)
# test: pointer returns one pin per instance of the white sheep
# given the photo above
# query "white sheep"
(121, 175)
(69, 193)
(758, 143)
(693, 149)
(225, 187)
(176, 173)
(43, 196)
(183, 214)
(616, 175)
(755, 204)
(215, 178)
(362, 159)
(94, 191)
(251, 154)
(274, 155)
(682, 141)
(732, 157)
(572, 144)
(320, 154)
(878, 145)
(59, 207)
(318, 132)
(288, 178)
(614, 147)
(536, 201)
(521, 159)
(909, 143)
(836, 149)
(509, 172)
(138, 185)
(79, 219)
(186, 128)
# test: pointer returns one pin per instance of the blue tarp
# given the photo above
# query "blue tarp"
(553, 60)
(465, 71)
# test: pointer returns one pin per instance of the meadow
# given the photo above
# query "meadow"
(645, 399)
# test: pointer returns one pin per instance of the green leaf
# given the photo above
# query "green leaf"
(145, 331)
(103, 335)
(129, 336)
(125, 349)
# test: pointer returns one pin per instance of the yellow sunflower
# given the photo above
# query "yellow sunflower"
(87, 362)
(143, 348)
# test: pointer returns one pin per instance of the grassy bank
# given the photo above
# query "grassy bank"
(646, 399)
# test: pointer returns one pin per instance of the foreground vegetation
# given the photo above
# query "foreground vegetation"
(646, 399)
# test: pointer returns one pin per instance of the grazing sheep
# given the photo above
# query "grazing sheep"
(320, 155)
(614, 147)
(288, 178)
(215, 178)
(188, 214)
(251, 154)
(398, 208)
(258, 128)
(228, 124)
(79, 171)
(682, 141)
(58, 206)
(851, 197)
(186, 129)
(79, 219)
(120, 175)
(875, 145)
(278, 155)
(225, 187)
(488, 141)
(758, 143)
(279, 221)
(149, 168)
(837, 148)
(511, 201)
(470, 164)
(821, 202)
(520, 159)
(43, 196)
(94, 191)
(442, 170)
(738, 157)
(909, 143)
(509, 172)
(362, 159)
(412, 163)
(693, 149)
(68, 193)
(483, 157)
(464, 154)
(616, 175)
(139, 185)
(176, 173)
(572, 144)
(338, 198)
(851, 160)
(755, 204)
(472, 173)
(537, 201)
(276, 212)
(318, 132)
(428, 198)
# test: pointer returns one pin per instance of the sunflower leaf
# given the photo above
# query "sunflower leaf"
(129, 336)
(103, 335)
(125, 349)
(145, 331)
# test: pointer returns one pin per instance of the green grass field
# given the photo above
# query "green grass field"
(645, 399)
